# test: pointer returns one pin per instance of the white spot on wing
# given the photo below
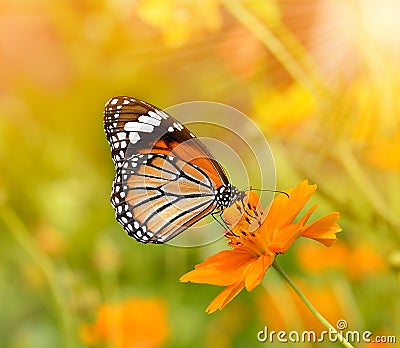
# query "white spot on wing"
(114, 101)
(178, 126)
(138, 127)
(121, 135)
(162, 114)
(149, 120)
(134, 137)
(154, 115)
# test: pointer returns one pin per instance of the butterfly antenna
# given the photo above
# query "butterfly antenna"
(265, 190)
(259, 190)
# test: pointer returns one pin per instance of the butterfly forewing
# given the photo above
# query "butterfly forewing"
(166, 178)
(133, 126)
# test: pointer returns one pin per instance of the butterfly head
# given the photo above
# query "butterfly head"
(226, 195)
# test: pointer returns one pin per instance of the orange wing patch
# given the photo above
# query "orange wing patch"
(163, 199)
(191, 151)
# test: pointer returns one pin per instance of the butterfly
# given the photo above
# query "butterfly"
(166, 179)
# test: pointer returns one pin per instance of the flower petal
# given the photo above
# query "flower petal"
(284, 209)
(254, 249)
(224, 268)
(225, 297)
(324, 229)
(255, 271)
(285, 237)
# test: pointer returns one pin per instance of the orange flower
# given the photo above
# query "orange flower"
(342, 257)
(257, 238)
(130, 324)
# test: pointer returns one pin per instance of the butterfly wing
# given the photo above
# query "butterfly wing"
(166, 178)
(135, 127)
(158, 196)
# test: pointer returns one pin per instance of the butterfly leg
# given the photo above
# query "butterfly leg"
(224, 225)
(215, 216)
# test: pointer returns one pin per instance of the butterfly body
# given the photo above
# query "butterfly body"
(166, 179)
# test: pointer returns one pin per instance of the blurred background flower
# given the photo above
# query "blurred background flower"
(133, 323)
(319, 77)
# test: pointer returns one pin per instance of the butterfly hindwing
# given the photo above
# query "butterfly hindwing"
(157, 196)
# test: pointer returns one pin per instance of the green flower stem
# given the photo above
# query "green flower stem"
(14, 224)
(313, 310)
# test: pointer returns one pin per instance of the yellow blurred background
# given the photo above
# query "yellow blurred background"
(319, 77)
